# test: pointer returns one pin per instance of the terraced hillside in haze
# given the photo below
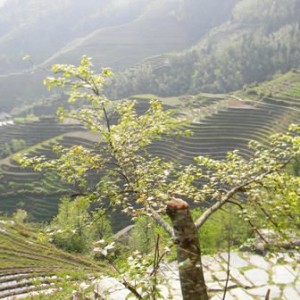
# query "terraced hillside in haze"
(219, 123)
(118, 34)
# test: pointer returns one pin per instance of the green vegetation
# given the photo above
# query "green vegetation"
(75, 227)
(140, 157)
(29, 264)
(282, 89)
(13, 146)
(214, 130)
(27, 119)
(260, 40)
(219, 123)
(142, 184)
(223, 227)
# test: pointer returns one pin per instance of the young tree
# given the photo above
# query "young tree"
(143, 184)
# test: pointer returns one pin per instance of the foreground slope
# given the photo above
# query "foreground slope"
(31, 266)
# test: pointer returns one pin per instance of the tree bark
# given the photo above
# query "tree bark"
(191, 275)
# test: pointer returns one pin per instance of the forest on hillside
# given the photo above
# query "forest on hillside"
(260, 40)
(168, 48)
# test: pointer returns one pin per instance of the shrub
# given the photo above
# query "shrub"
(20, 216)
(76, 227)
(223, 227)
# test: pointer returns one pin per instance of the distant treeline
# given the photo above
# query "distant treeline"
(261, 39)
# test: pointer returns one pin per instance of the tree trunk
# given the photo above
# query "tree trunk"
(188, 251)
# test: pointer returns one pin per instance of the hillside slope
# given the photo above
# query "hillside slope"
(42, 28)
(30, 266)
(219, 123)
(259, 40)
(118, 34)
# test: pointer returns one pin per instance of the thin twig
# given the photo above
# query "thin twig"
(268, 295)
(250, 222)
(233, 191)
(228, 263)
(124, 281)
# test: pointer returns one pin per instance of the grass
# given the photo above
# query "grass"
(286, 85)
(29, 263)
(27, 119)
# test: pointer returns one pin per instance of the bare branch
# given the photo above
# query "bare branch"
(216, 206)
(240, 188)
(168, 228)
(250, 223)
(268, 295)
(228, 265)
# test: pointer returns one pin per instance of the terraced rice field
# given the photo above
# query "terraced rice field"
(218, 125)
(30, 266)
(23, 188)
(226, 130)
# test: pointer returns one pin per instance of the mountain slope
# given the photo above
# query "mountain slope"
(256, 40)
(118, 34)
(260, 39)
(41, 28)
(163, 27)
